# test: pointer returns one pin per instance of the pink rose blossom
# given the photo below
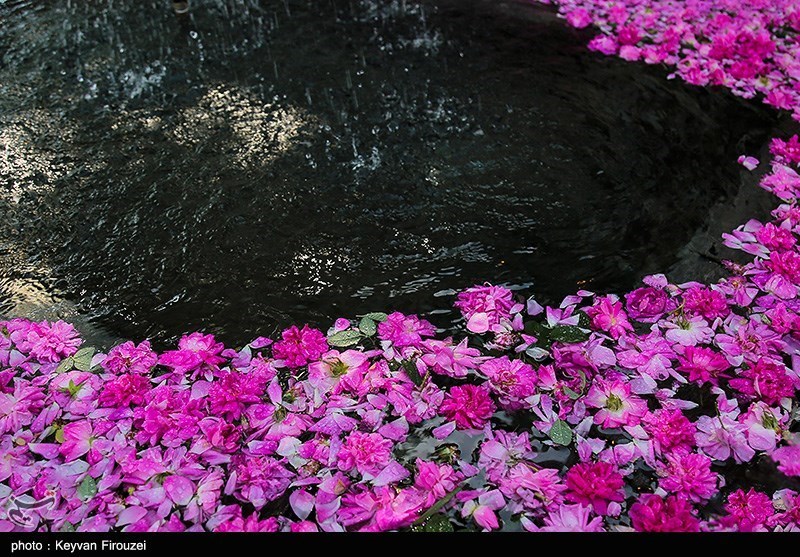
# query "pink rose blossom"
(688, 475)
(595, 484)
(617, 406)
(470, 406)
(404, 330)
(298, 347)
(368, 453)
(651, 513)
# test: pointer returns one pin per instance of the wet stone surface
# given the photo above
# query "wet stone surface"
(268, 162)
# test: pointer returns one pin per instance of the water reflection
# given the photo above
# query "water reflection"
(267, 162)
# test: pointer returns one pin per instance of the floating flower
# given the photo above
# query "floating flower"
(617, 406)
(404, 330)
(688, 475)
(298, 347)
(670, 430)
(511, 380)
(469, 406)
(368, 453)
(130, 358)
(748, 511)
(595, 484)
(571, 518)
(651, 513)
(484, 306)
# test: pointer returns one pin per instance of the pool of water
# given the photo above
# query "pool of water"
(266, 162)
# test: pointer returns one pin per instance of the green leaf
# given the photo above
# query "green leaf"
(436, 523)
(65, 365)
(82, 359)
(367, 326)
(535, 328)
(571, 394)
(344, 338)
(378, 316)
(67, 527)
(583, 381)
(60, 435)
(73, 388)
(568, 333)
(561, 433)
(574, 395)
(583, 320)
(87, 489)
(410, 367)
(437, 506)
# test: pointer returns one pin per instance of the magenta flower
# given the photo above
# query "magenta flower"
(788, 459)
(403, 331)
(197, 353)
(721, 437)
(781, 274)
(435, 480)
(786, 152)
(703, 365)
(775, 238)
(646, 304)
(617, 406)
(368, 453)
(500, 452)
(512, 380)
(380, 510)
(571, 518)
(124, 391)
(258, 480)
(579, 18)
(604, 44)
(595, 484)
(220, 439)
(765, 426)
(169, 417)
(706, 302)
(748, 511)
(651, 513)
(228, 431)
(78, 439)
(469, 406)
(19, 407)
(740, 290)
(453, 360)
(688, 475)
(485, 306)
(607, 315)
(483, 510)
(530, 489)
(250, 524)
(44, 341)
(782, 181)
(750, 163)
(337, 371)
(298, 347)
(413, 404)
(231, 393)
(650, 355)
(749, 341)
(766, 380)
(670, 430)
(130, 358)
(688, 332)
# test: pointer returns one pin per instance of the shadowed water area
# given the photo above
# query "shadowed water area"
(267, 162)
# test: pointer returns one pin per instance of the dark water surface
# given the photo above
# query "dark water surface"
(269, 162)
